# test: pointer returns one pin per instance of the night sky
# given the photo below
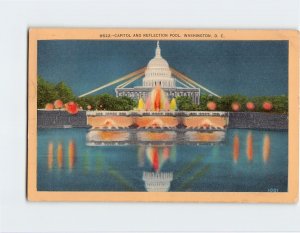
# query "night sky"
(252, 68)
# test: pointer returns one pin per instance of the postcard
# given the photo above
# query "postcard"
(163, 115)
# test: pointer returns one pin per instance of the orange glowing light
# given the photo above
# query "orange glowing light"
(235, 106)
(200, 121)
(110, 121)
(206, 123)
(250, 146)
(49, 106)
(202, 137)
(113, 136)
(267, 105)
(72, 107)
(266, 148)
(211, 106)
(60, 155)
(250, 106)
(156, 122)
(72, 151)
(157, 105)
(58, 104)
(50, 156)
(157, 99)
(236, 148)
(155, 159)
(156, 136)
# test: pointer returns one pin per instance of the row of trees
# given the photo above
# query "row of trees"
(279, 104)
(107, 102)
(48, 93)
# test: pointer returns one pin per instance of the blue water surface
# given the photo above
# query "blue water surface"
(245, 162)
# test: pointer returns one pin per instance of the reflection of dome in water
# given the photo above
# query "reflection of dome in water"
(157, 182)
(158, 72)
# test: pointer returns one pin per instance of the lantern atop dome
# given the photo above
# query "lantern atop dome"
(157, 51)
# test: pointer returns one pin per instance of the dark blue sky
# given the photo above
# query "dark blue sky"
(251, 68)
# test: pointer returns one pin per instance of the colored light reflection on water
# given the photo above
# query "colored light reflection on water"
(72, 151)
(250, 146)
(247, 161)
(266, 147)
(50, 155)
(60, 157)
(236, 148)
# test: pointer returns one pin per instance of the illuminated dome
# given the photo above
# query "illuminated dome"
(158, 72)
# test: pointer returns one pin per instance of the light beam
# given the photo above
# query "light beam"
(130, 80)
(187, 79)
(128, 76)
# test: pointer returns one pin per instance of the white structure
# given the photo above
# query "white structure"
(158, 72)
(157, 182)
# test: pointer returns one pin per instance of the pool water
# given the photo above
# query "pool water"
(247, 161)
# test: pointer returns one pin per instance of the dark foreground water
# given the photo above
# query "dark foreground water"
(248, 161)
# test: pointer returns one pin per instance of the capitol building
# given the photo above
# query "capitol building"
(156, 73)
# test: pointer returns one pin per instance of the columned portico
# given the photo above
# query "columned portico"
(142, 92)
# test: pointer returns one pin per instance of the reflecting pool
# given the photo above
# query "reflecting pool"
(246, 161)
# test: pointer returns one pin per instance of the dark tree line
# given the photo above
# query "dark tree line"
(107, 102)
(48, 92)
(279, 103)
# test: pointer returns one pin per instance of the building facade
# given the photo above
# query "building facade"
(158, 72)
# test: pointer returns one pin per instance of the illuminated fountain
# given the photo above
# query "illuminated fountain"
(155, 120)
(157, 101)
